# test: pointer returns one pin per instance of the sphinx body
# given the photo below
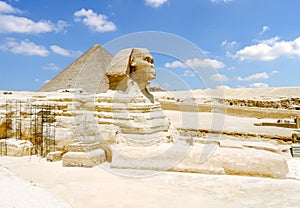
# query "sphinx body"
(127, 115)
(130, 105)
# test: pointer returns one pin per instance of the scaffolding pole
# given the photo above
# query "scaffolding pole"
(35, 121)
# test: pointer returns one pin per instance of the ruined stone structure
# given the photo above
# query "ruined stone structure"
(118, 120)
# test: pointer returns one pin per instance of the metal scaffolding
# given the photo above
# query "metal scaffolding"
(43, 125)
(32, 122)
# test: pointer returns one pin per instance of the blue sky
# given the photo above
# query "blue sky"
(248, 43)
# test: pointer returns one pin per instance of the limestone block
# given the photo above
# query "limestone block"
(16, 148)
(2, 128)
(83, 147)
(246, 144)
(63, 137)
(179, 157)
(55, 156)
(152, 157)
(84, 159)
(262, 146)
(251, 162)
(201, 158)
(109, 132)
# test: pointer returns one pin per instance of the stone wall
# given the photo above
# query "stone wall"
(240, 111)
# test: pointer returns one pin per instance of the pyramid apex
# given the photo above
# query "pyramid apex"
(97, 45)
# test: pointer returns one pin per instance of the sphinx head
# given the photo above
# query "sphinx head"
(131, 65)
(142, 69)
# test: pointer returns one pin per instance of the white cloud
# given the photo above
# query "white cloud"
(275, 72)
(60, 26)
(219, 1)
(8, 9)
(259, 85)
(269, 50)
(264, 29)
(14, 24)
(205, 63)
(262, 75)
(64, 52)
(37, 80)
(155, 3)
(24, 47)
(46, 81)
(270, 41)
(96, 22)
(51, 67)
(223, 87)
(228, 44)
(188, 73)
(196, 63)
(219, 77)
(175, 64)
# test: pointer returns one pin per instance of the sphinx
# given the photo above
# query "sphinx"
(133, 64)
(127, 127)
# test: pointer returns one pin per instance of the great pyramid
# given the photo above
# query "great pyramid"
(86, 73)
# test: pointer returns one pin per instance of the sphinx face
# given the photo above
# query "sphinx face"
(142, 67)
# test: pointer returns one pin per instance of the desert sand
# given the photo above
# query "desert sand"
(33, 182)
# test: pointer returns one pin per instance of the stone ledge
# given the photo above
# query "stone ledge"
(84, 159)
(55, 156)
(83, 147)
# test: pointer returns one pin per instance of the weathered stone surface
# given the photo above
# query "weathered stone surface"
(246, 144)
(63, 137)
(84, 159)
(119, 65)
(109, 132)
(17, 148)
(83, 147)
(136, 121)
(132, 65)
(251, 162)
(55, 156)
(209, 158)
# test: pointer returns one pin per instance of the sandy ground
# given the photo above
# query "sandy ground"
(224, 123)
(33, 182)
(17, 192)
